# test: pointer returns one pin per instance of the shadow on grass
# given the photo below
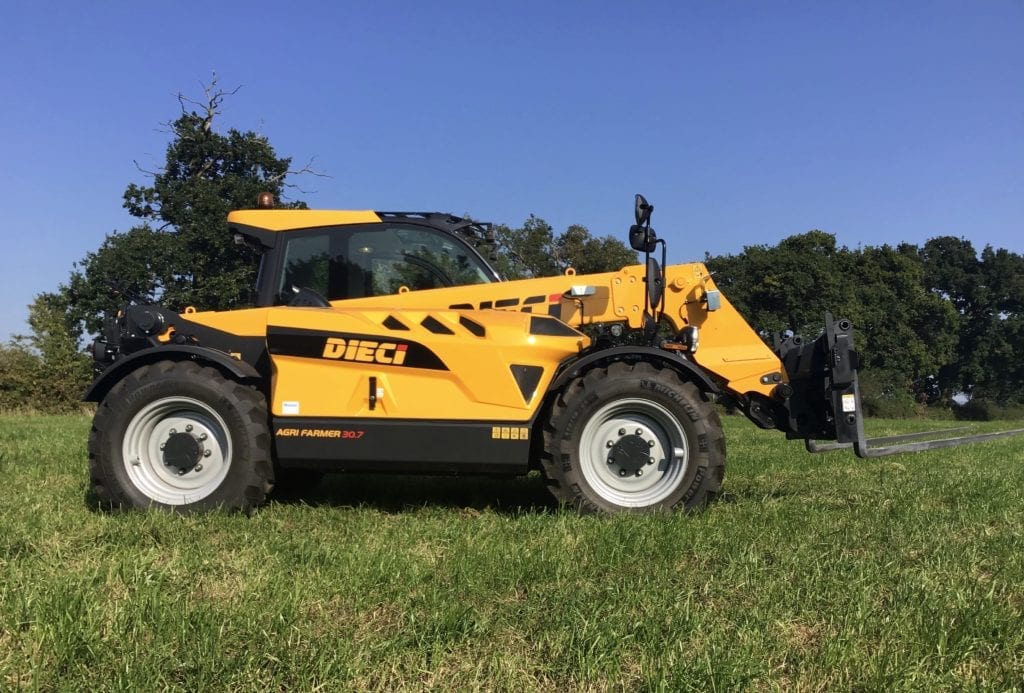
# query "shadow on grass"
(397, 493)
(394, 493)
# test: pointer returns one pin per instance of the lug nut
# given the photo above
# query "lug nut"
(639, 432)
(622, 472)
(639, 472)
(181, 472)
(188, 428)
(622, 431)
(650, 443)
(173, 431)
(202, 436)
(207, 453)
(163, 445)
(198, 468)
(650, 460)
(609, 444)
(611, 460)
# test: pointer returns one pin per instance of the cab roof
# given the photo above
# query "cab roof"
(264, 225)
(289, 219)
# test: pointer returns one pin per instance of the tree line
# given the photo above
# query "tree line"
(936, 324)
(933, 322)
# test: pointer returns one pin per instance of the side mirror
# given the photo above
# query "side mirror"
(655, 284)
(642, 239)
(642, 210)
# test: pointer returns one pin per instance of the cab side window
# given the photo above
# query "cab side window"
(375, 260)
(416, 258)
(307, 263)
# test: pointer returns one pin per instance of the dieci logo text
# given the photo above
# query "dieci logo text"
(365, 350)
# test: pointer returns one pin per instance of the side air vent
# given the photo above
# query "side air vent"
(474, 327)
(432, 325)
(393, 323)
(549, 327)
(530, 301)
(527, 378)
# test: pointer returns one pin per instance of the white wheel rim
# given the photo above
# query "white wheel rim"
(144, 458)
(608, 433)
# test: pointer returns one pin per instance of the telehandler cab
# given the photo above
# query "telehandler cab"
(384, 341)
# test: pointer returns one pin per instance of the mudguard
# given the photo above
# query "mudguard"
(686, 369)
(240, 370)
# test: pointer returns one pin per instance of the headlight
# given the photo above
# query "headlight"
(690, 336)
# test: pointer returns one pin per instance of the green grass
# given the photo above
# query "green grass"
(813, 573)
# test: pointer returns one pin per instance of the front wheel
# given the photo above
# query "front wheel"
(179, 436)
(633, 437)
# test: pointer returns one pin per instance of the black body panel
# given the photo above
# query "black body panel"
(334, 444)
(316, 344)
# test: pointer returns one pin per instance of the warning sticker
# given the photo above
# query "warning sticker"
(849, 403)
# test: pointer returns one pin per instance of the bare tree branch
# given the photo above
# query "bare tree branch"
(305, 170)
(151, 174)
(210, 106)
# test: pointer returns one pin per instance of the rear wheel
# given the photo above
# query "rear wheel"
(177, 435)
(633, 438)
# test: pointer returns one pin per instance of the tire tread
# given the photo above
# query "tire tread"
(246, 401)
(557, 453)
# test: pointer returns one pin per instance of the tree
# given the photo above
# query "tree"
(904, 333)
(18, 370)
(1003, 377)
(788, 286)
(44, 370)
(987, 293)
(586, 254)
(181, 252)
(533, 250)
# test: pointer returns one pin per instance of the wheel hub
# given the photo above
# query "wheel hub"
(177, 450)
(631, 452)
(182, 452)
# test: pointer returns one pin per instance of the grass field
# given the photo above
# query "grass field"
(813, 573)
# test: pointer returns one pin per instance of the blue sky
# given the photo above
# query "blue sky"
(742, 122)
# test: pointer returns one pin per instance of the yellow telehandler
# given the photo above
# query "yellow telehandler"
(385, 341)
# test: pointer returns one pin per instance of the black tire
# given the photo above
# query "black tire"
(633, 438)
(179, 436)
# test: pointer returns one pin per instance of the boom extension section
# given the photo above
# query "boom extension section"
(822, 401)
